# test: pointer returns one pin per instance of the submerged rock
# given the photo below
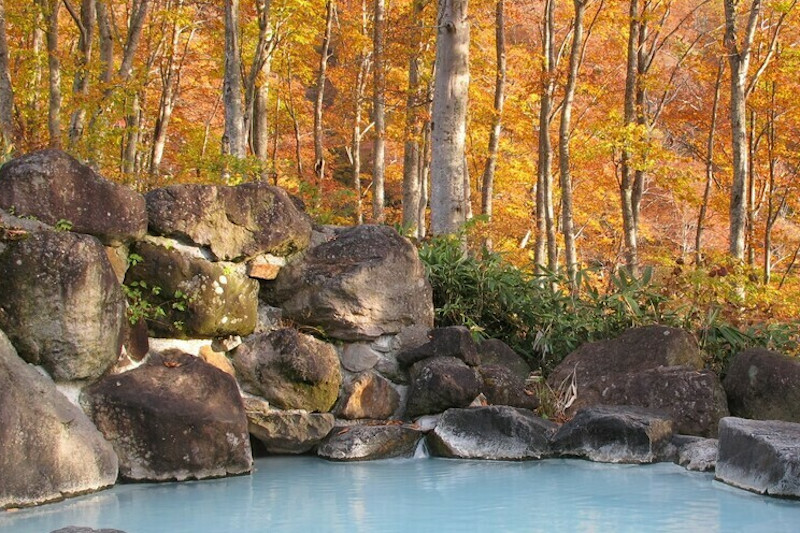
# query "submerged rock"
(761, 456)
(50, 448)
(366, 443)
(699, 455)
(173, 418)
(494, 432)
(615, 434)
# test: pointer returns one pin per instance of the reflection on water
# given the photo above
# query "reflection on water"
(307, 494)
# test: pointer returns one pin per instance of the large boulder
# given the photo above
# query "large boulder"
(452, 341)
(439, 383)
(761, 456)
(764, 385)
(286, 432)
(365, 282)
(289, 369)
(368, 443)
(195, 297)
(496, 352)
(629, 370)
(501, 386)
(52, 186)
(694, 399)
(234, 223)
(615, 434)
(495, 432)
(368, 396)
(50, 449)
(173, 418)
(61, 305)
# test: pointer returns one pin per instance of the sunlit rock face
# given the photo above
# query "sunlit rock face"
(52, 186)
(61, 304)
(362, 283)
(761, 456)
(50, 449)
(173, 418)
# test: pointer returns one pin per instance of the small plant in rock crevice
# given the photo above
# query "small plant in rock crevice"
(142, 299)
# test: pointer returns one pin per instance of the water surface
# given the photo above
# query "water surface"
(309, 495)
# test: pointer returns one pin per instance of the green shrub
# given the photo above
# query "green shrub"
(543, 320)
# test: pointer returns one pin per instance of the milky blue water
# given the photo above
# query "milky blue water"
(310, 495)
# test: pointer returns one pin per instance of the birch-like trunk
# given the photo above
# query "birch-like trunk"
(449, 118)
(379, 112)
(86, 22)
(712, 129)
(319, 150)
(545, 247)
(51, 9)
(626, 189)
(233, 140)
(565, 175)
(256, 90)
(7, 130)
(355, 147)
(487, 180)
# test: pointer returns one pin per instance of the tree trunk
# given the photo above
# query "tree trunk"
(8, 133)
(487, 180)
(379, 113)
(698, 241)
(739, 60)
(361, 81)
(545, 223)
(256, 89)
(233, 140)
(319, 151)
(412, 186)
(565, 176)
(51, 8)
(448, 141)
(80, 87)
(628, 173)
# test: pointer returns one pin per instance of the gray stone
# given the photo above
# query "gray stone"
(52, 186)
(501, 386)
(199, 298)
(288, 432)
(78, 529)
(367, 443)
(359, 357)
(173, 418)
(365, 283)
(496, 352)
(235, 223)
(761, 456)
(495, 432)
(289, 369)
(439, 383)
(50, 448)
(699, 455)
(764, 385)
(368, 396)
(61, 305)
(615, 434)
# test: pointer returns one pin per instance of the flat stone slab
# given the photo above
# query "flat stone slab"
(494, 432)
(761, 456)
(615, 434)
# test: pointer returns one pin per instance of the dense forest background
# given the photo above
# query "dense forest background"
(665, 129)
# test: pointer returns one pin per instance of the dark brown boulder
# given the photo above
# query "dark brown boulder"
(496, 352)
(173, 418)
(234, 223)
(365, 282)
(502, 386)
(290, 370)
(764, 385)
(52, 186)
(50, 449)
(452, 341)
(439, 383)
(61, 304)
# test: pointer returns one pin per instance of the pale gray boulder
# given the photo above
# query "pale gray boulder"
(50, 448)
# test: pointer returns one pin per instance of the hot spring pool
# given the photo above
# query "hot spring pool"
(309, 495)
